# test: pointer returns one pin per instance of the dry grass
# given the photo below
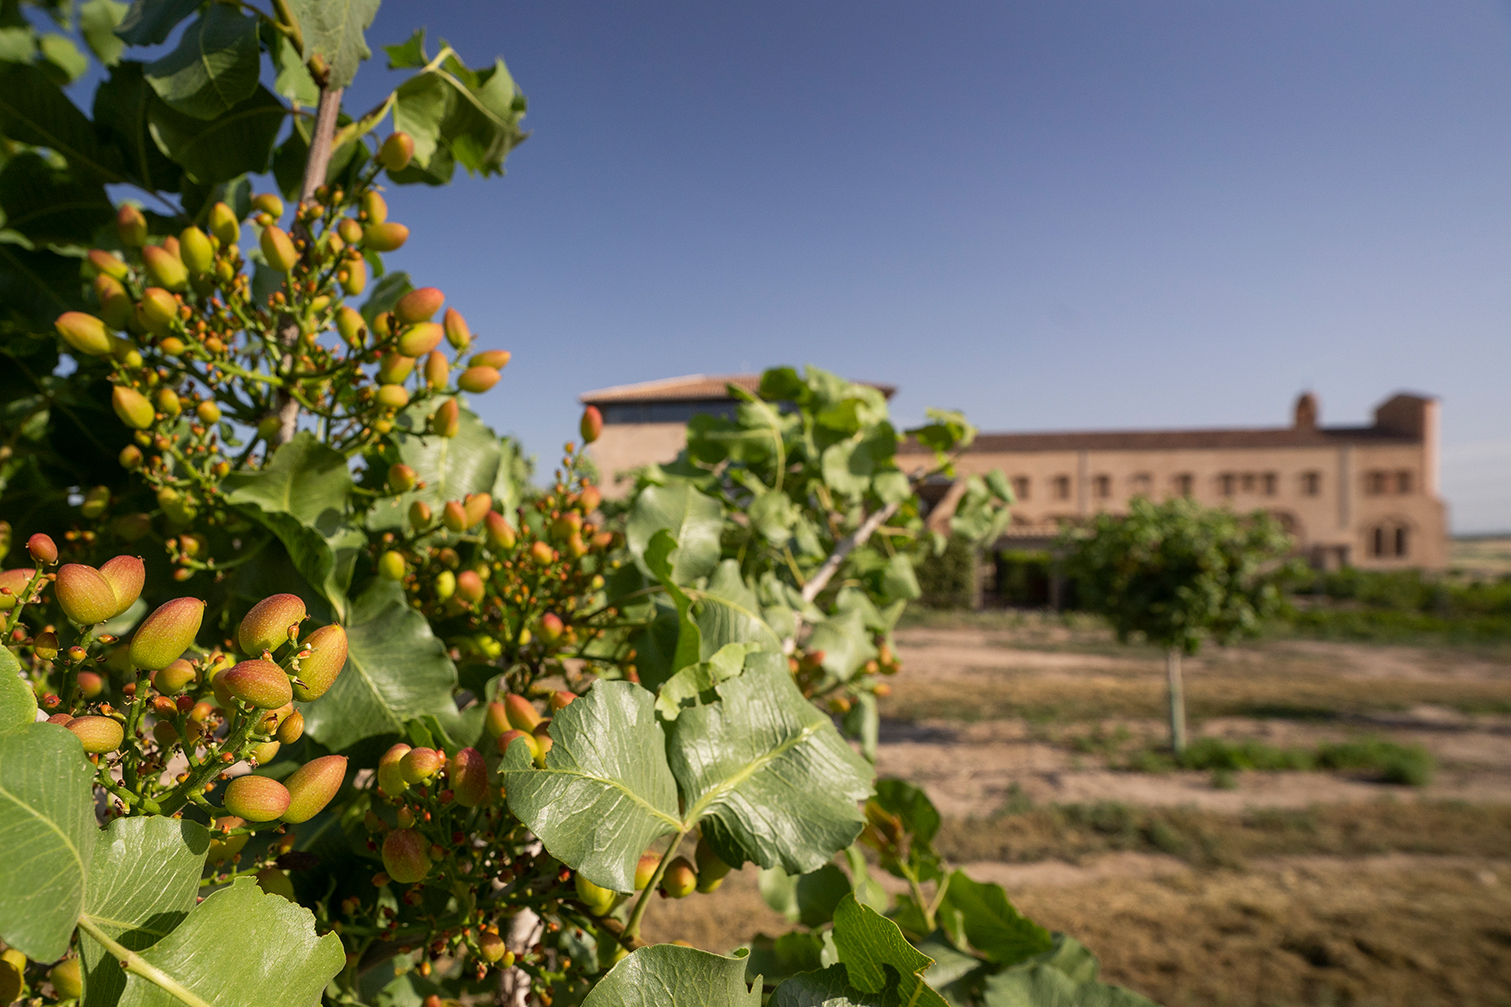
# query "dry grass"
(1209, 838)
(1394, 934)
(1273, 689)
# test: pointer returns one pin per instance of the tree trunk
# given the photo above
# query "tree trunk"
(1177, 701)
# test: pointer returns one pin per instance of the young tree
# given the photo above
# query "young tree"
(1178, 574)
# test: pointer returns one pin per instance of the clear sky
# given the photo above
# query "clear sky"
(1052, 215)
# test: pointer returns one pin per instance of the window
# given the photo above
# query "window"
(1311, 483)
(1403, 481)
(1140, 484)
(1102, 486)
(1247, 482)
(1270, 482)
(1376, 483)
(1226, 482)
(1183, 484)
(1062, 487)
(1020, 488)
(1390, 541)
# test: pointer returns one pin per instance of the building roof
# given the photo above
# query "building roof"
(1167, 440)
(689, 387)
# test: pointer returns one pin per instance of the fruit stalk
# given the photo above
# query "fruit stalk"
(632, 927)
(132, 962)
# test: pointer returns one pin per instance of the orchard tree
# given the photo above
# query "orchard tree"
(306, 693)
(1178, 574)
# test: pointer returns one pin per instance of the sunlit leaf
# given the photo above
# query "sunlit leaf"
(142, 884)
(18, 704)
(98, 20)
(606, 792)
(332, 29)
(767, 775)
(666, 975)
(47, 838)
(694, 520)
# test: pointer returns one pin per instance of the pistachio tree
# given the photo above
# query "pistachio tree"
(307, 693)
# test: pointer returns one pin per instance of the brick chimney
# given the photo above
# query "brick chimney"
(1306, 411)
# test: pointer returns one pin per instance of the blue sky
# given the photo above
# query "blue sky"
(1051, 215)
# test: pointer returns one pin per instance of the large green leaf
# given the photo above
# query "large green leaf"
(150, 22)
(450, 467)
(768, 776)
(873, 949)
(18, 704)
(696, 521)
(986, 916)
(213, 68)
(50, 205)
(809, 899)
(236, 143)
(47, 838)
(303, 496)
(242, 947)
(34, 110)
(333, 30)
(121, 106)
(396, 670)
(606, 792)
(666, 975)
(142, 884)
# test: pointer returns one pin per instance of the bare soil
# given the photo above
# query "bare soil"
(1254, 890)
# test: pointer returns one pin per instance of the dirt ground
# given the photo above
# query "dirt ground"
(1256, 888)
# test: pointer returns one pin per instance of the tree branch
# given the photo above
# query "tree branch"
(316, 163)
(847, 545)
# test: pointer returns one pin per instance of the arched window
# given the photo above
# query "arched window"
(1390, 540)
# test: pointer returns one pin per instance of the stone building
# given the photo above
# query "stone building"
(1362, 496)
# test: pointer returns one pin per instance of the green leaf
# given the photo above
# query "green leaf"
(870, 945)
(695, 679)
(47, 838)
(60, 51)
(50, 205)
(727, 611)
(18, 704)
(452, 112)
(142, 884)
(606, 793)
(98, 20)
(666, 975)
(828, 988)
(303, 496)
(687, 646)
(213, 68)
(18, 44)
(242, 947)
(395, 670)
(768, 776)
(450, 467)
(34, 110)
(846, 643)
(150, 22)
(333, 29)
(293, 80)
(408, 54)
(695, 521)
(121, 106)
(236, 143)
(991, 923)
(37, 286)
(809, 899)
(1046, 986)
